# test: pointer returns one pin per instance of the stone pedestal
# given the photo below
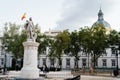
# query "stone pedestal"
(30, 70)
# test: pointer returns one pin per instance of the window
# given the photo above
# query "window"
(84, 52)
(75, 62)
(2, 61)
(52, 62)
(113, 51)
(113, 62)
(44, 61)
(104, 62)
(60, 62)
(104, 53)
(96, 63)
(68, 62)
(84, 62)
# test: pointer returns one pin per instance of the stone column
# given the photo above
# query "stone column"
(30, 70)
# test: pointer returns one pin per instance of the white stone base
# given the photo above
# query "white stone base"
(13, 74)
(16, 75)
(29, 73)
(30, 70)
(28, 79)
(18, 78)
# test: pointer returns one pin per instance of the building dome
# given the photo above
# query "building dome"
(102, 21)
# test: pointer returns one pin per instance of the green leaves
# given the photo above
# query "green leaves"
(114, 37)
(59, 44)
(93, 40)
(14, 37)
(44, 41)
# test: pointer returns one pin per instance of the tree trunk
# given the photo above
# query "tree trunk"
(88, 60)
(76, 64)
(91, 68)
(60, 63)
(94, 62)
(92, 65)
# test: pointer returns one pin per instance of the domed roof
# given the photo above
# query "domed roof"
(106, 24)
(102, 21)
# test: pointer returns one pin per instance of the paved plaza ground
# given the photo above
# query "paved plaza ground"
(83, 77)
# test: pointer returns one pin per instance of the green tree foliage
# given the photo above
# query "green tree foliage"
(85, 38)
(114, 37)
(85, 41)
(37, 30)
(95, 41)
(44, 41)
(13, 39)
(60, 43)
(74, 47)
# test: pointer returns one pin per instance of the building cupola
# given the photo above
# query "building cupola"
(100, 15)
(102, 21)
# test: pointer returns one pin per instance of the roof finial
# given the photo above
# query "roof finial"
(100, 4)
(100, 13)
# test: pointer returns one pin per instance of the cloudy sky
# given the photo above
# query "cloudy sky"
(60, 14)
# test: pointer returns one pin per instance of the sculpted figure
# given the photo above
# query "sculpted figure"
(30, 30)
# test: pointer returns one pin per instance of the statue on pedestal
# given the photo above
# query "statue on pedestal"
(30, 30)
(30, 70)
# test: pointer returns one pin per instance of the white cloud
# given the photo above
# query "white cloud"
(77, 13)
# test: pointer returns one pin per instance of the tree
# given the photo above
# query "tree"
(99, 42)
(14, 37)
(74, 47)
(84, 40)
(13, 40)
(44, 41)
(37, 30)
(61, 42)
(95, 41)
(114, 37)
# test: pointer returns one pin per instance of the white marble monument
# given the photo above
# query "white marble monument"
(30, 70)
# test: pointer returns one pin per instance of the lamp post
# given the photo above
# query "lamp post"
(116, 71)
(4, 70)
(117, 62)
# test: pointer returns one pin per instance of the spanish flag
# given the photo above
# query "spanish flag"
(23, 16)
